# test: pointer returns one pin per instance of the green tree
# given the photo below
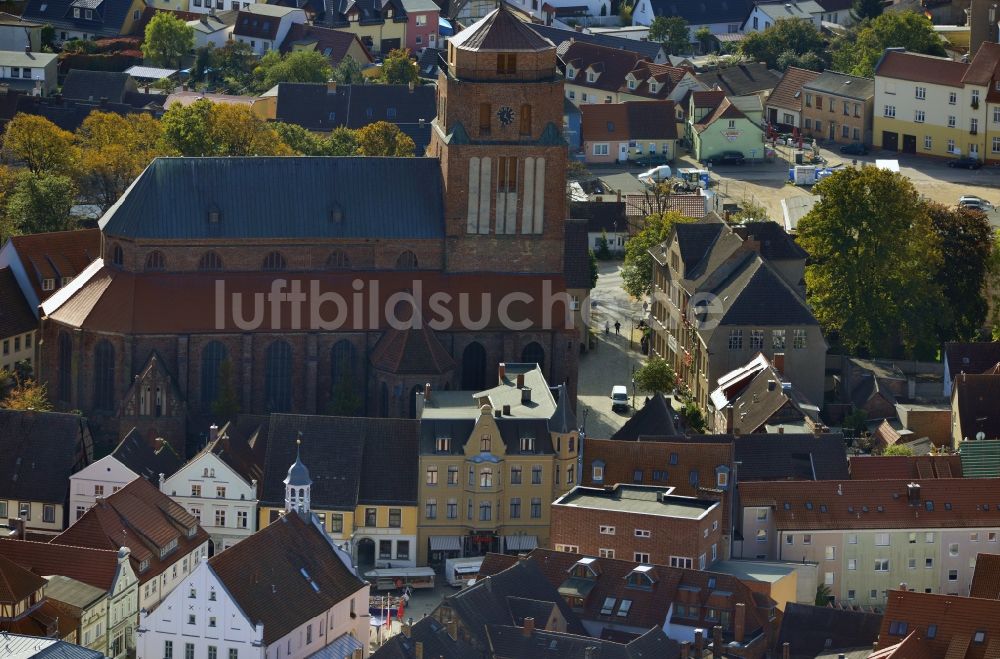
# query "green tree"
(625, 15)
(898, 449)
(347, 72)
(822, 595)
(672, 32)
(795, 37)
(655, 376)
(859, 50)
(165, 85)
(208, 129)
(867, 9)
(40, 145)
(167, 40)
(993, 286)
(594, 270)
(703, 36)
(637, 270)
(227, 404)
(41, 203)
(296, 66)
(399, 69)
(384, 139)
(694, 417)
(342, 142)
(966, 246)
(301, 140)
(603, 250)
(234, 66)
(344, 399)
(25, 395)
(873, 255)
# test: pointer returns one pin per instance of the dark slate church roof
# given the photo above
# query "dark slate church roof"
(378, 198)
(655, 419)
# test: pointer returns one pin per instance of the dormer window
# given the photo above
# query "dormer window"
(591, 76)
(653, 86)
(641, 577)
(598, 471)
(143, 565)
(48, 284)
(442, 444)
(722, 477)
(585, 568)
(570, 72)
(527, 445)
(169, 547)
(630, 81)
(88, 14)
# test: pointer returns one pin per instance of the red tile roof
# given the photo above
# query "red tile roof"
(56, 255)
(986, 579)
(335, 45)
(96, 567)
(612, 63)
(956, 620)
(724, 110)
(921, 68)
(16, 583)
(632, 120)
(911, 647)
(689, 205)
(16, 317)
(877, 504)
(984, 66)
(141, 518)
(788, 93)
(895, 467)
(285, 574)
(411, 351)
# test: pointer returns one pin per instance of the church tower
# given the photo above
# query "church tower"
(297, 483)
(498, 134)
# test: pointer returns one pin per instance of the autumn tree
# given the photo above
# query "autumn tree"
(26, 395)
(40, 145)
(296, 66)
(342, 141)
(873, 258)
(300, 140)
(114, 150)
(384, 139)
(167, 40)
(792, 42)
(41, 203)
(399, 69)
(859, 50)
(637, 270)
(219, 129)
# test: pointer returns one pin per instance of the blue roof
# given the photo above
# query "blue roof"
(282, 197)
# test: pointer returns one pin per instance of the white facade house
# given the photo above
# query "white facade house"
(210, 30)
(764, 15)
(264, 27)
(215, 6)
(725, 19)
(211, 488)
(29, 72)
(234, 605)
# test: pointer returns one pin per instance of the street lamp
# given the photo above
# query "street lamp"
(633, 387)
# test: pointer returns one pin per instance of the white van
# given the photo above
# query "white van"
(619, 398)
(655, 175)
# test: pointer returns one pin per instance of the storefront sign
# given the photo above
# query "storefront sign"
(732, 134)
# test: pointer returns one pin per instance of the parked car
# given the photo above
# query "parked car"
(656, 174)
(727, 158)
(854, 149)
(966, 162)
(972, 201)
(619, 398)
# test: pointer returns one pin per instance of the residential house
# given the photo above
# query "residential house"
(614, 596)
(46, 648)
(214, 30)
(85, 19)
(870, 536)
(619, 132)
(134, 457)
(82, 604)
(264, 27)
(335, 45)
(320, 108)
(426, 635)
(973, 358)
(717, 301)
(41, 450)
(765, 14)
(784, 103)
(381, 26)
(980, 459)
(837, 12)
(599, 74)
(756, 398)
(25, 609)
(695, 205)
(109, 627)
(974, 408)
(219, 485)
(644, 523)
(986, 578)
(45, 262)
(917, 624)
(108, 88)
(838, 107)
(16, 34)
(165, 542)
(716, 124)
(744, 79)
(563, 38)
(491, 463)
(29, 71)
(364, 500)
(262, 106)
(421, 24)
(981, 83)
(815, 631)
(214, 7)
(651, 81)
(17, 324)
(70, 114)
(606, 220)
(723, 18)
(286, 590)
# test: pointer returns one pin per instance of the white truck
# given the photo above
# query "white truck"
(458, 572)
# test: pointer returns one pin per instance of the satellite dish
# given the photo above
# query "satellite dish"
(980, 435)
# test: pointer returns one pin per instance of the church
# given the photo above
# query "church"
(335, 285)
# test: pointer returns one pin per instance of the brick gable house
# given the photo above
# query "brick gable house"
(477, 217)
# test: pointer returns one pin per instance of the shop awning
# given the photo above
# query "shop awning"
(446, 543)
(520, 542)
(343, 647)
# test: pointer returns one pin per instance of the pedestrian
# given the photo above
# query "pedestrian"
(645, 306)
(618, 327)
(607, 328)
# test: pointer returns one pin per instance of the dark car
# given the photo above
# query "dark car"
(727, 158)
(854, 149)
(967, 162)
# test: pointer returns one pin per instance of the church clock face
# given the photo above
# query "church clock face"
(505, 115)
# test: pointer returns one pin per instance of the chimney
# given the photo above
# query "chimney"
(786, 650)
(778, 362)
(817, 430)
(411, 86)
(590, 652)
(752, 244)
(213, 432)
(686, 650)
(18, 528)
(520, 380)
(781, 430)
(659, 497)
(406, 628)
(902, 586)
(771, 385)
(913, 494)
(258, 634)
(525, 395)
(730, 423)
(418, 650)
(146, 89)
(717, 642)
(503, 372)
(506, 410)
(528, 627)
(162, 481)
(699, 643)
(739, 622)
(427, 392)
(453, 629)
(27, 49)
(104, 101)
